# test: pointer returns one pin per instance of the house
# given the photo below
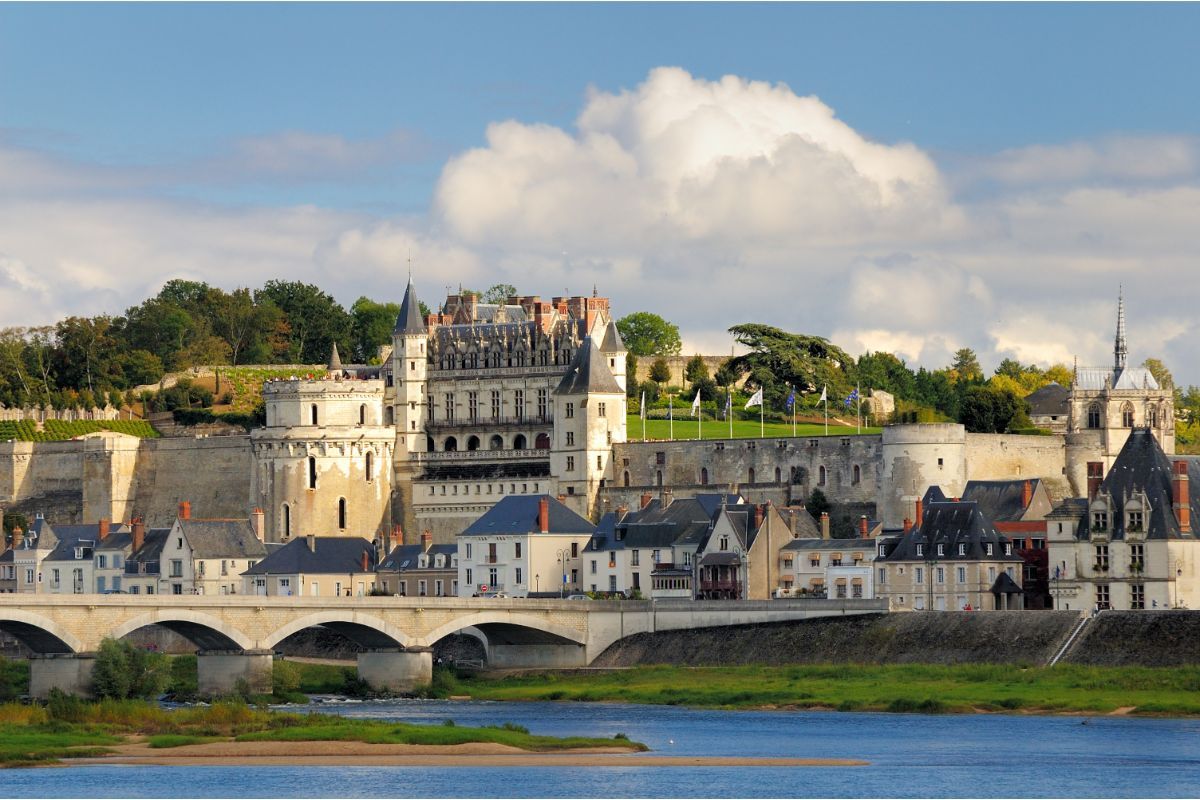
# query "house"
(109, 557)
(143, 565)
(1050, 407)
(1018, 509)
(208, 556)
(420, 570)
(29, 550)
(741, 554)
(1131, 544)
(315, 566)
(953, 559)
(824, 567)
(524, 544)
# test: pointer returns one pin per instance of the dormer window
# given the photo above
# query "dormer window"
(940, 551)
(1134, 522)
(920, 550)
(882, 550)
(1100, 521)
(962, 549)
(724, 542)
(1008, 549)
(988, 549)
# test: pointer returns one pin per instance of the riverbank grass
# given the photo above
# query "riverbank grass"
(923, 688)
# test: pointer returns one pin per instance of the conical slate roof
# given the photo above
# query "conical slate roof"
(612, 340)
(335, 361)
(409, 320)
(588, 373)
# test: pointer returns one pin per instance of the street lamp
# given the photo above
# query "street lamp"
(562, 558)
(537, 582)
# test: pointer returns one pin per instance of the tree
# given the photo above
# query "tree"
(648, 334)
(122, 671)
(243, 323)
(778, 359)
(966, 365)
(988, 410)
(660, 373)
(818, 504)
(1060, 374)
(371, 327)
(314, 320)
(887, 372)
(1160, 372)
(695, 370)
(499, 293)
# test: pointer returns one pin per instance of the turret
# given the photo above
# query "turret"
(410, 341)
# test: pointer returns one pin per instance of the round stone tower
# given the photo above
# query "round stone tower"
(916, 457)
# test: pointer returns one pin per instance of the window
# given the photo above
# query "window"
(1127, 415)
(224, 567)
(855, 475)
(962, 574)
(1152, 417)
(1102, 601)
(920, 575)
(612, 583)
(473, 406)
(815, 561)
(422, 588)
(468, 552)
(882, 550)
(593, 566)
(342, 513)
(1099, 521)
(1137, 557)
(313, 414)
(495, 405)
(370, 464)
(656, 557)
(519, 404)
(1135, 522)
(438, 588)
(286, 518)
(448, 404)
(494, 577)
(1137, 596)
(469, 578)
(362, 414)
(988, 548)
(574, 549)
(941, 574)
(751, 475)
(941, 550)
(1101, 564)
(1093, 416)
(176, 588)
(601, 409)
(570, 438)
(882, 575)
(920, 550)
(724, 543)
(101, 562)
(542, 399)
(570, 410)
(570, 463)
(600, 462)
(634, 558)
(703, 476)
(821, 475)
(54, 577)
(519, 579)
(312, 472)
(176, 569)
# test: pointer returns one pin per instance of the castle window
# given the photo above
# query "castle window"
(473, 407)
(519, 442)
(1152, 417)
(1093, 416)
(821, 475)
(570, 438)
(600, 409)
(472, 442)
(370, 467)
(285, 517)
(497, 442)
(519, 404)
(703, 476)
(626, 477)
(451, 444)
(495, 405)
(313, 413)
(542, 442)
(432, 408)
(341, 513)
(658, 477)
(312, 472)
(412, 366)
(570, 463)
(855, 475)
(778, 475)
(389, 416)
(570, 410)
(599, 462)
(751, 475)
(542, 397)
(448, 400)
(1127, 415)
(362, 414)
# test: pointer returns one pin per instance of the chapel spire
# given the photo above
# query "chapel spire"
(1120, 349)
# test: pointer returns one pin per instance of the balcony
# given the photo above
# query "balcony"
(733, 587)
(488, 423)
(471, 456)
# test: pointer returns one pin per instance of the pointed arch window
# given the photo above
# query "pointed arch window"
(1127, 415)
(341, 513)
(370, 467)
(313, 414)
(821, 475)
(312, 472)
(1093, 416)
(286, 520)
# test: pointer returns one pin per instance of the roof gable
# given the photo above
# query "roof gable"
(519, 514)
(588, 373)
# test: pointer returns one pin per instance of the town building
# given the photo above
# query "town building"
(821, 567)
(523, 545)
(110, 555)
(1131, 544)
(424, 569)
(952, 559)
(143, 566)
(1018, 509)
(315, 566)
(70, 568)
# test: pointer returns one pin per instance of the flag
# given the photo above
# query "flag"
(791, 401)
(642, 407)
(756, 400)
(696, 404)
(824, 397)
(851, 398)
(671, 408)
(729, 404)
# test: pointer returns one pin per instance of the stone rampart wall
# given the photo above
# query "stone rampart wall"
(1001, 456)
(212, 474)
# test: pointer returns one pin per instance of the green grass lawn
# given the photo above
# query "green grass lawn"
(925, 688)
(687, 428)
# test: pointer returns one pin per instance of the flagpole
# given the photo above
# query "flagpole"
(761, 426)
(793, 396)
(825, 395)
(858, 398)
(729, 409)
(699, 421)
(671, 418)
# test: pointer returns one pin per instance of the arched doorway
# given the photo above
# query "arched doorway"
(473, 443)
(451, 444)
(497, 442)
(519, 442)
(542, 442)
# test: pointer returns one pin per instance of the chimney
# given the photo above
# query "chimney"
(426, 540)
(380, 547)
(312, 543)
(543, 521)
(646, 498)
(863, 530)
(1026, 494)
(366, 561)
(1095, 477)
(102, 529)
(622, 510)
(824, 524)
(185, 509)
(138, 534)
(758, 516)
(258, 521)
(397, 536)
(18, 537)
(907, 525)
(1181, 497)
(919, 517)
(667, 497)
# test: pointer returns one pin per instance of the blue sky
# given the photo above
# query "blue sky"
(330, 141)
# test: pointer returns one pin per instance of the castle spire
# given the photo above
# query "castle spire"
(1120, 350)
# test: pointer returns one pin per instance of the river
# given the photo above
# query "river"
(910, 756)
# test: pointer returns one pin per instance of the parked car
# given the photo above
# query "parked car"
(578, 597)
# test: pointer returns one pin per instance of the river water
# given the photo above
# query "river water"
(910, 756)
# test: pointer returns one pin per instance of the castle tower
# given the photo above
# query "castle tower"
(410, 338)
(589, 415)
(323, 461)
(1120, 349)
(613, 348)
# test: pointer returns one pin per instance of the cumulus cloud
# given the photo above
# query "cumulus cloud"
(713, 202)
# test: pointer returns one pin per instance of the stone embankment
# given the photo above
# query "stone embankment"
(1139, 638)
(1003, 637)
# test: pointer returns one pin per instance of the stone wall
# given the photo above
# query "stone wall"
(1002, 637)
(1000, 456)
(1143, 638)
(678, 365)
(42, 471)
(212, 474)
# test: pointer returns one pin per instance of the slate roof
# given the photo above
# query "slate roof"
(1143, 466)
(332, 555)
(335, 361)
(588, 372)
(404, 557)
(116, 540)
(612, 339)
(1098, 378)
(150, 552)
(951, 524)
(222, 538)
(519, 514)
(1000, 501)
(71, 537)
(409, 319)
(1052, 400)
(801, 522)
(1005, 585)
(868, 545)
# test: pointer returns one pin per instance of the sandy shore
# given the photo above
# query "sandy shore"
(328, 754)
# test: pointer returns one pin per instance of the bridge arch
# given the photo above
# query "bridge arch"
(38, 633)
(508, 625)
(363, 629)
(203, 630)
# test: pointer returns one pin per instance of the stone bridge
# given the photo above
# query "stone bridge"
(237, 635)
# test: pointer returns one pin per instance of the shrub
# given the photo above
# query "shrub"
(124, 671)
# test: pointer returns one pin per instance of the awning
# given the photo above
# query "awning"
(720, 559)
(1006, 585)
